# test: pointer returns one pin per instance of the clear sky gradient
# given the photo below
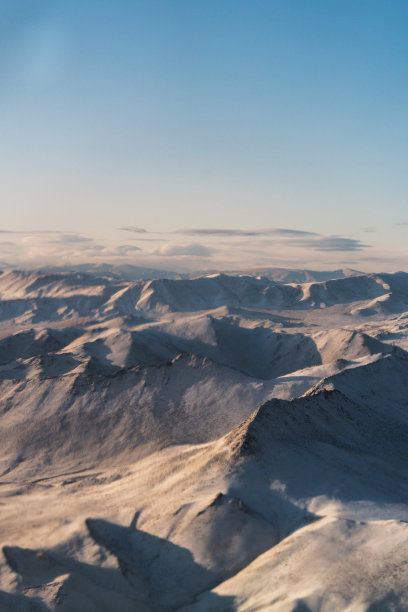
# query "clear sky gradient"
(250, 116)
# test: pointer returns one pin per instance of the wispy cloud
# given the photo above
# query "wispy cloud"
(45, 247)
(290, 237)
(36, 232)
(243, 233)
(132, 228)
(148, 239)
(331, 243)
(69, 239)
(192, 250)
(122, 250)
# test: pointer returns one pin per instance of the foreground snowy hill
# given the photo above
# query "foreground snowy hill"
(219, 443)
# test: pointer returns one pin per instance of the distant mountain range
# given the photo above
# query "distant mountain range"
(130, 272)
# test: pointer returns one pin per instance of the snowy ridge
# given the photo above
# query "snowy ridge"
(34, 296)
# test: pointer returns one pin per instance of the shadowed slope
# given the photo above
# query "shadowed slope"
(153, 575)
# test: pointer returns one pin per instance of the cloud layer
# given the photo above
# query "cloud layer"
(56, 247)
(216, 249)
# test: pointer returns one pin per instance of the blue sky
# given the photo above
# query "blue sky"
(218, 115)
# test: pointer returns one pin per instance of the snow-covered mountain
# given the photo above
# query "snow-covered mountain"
(36, 296)
(128, 272)
(212, 443)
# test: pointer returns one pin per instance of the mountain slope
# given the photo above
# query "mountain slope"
(249, 521)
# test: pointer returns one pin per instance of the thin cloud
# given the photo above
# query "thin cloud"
(123, 250)
(290, 232)
(244, 233)
(36, 232)
(332, 243)
(67, 248)
(70, 239)
(149, 239)
(290, 237)
(132, 228)
(192, 250)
